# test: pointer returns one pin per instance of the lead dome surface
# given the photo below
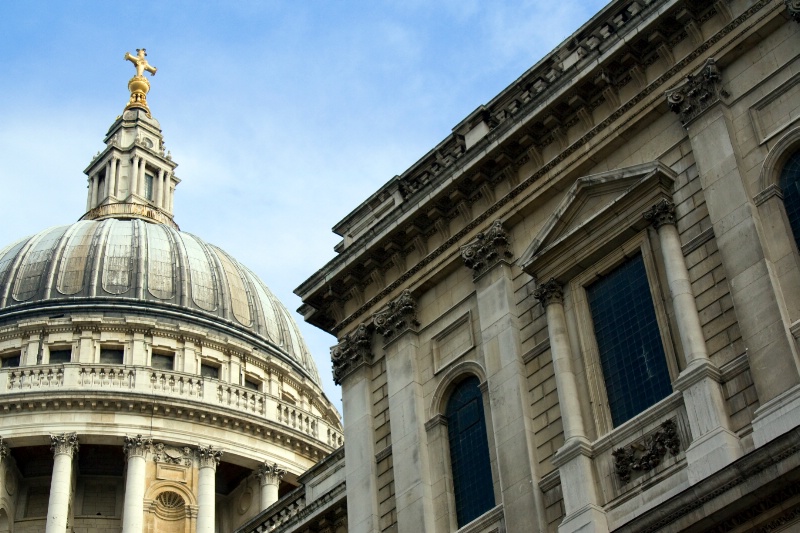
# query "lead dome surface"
(140, 264)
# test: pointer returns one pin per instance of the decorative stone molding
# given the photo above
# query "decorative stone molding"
(794, 9)
(353, 351)
(66, 443)
(270, 474)
(3, 449)
(698, 93)
(488, 248)
(549, 292)
(136, 446)
(172, 455)
(399, 315)
(661, 213)
(646, 454)
(207, 456)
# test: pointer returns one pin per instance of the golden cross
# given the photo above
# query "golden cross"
(140, 62)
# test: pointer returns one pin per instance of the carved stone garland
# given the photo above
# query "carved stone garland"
(794, 9)
(208, 456)
(399, 315)
(647, 454)
(660, 214)
(699, 92)
(488, 248)
(66, 443)
(353, 351)
(136, 446)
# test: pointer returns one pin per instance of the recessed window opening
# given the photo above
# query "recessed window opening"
(60, 355)
(626, 330)
(790, 185)
(469, 452)
(10, 359)
(148, 186)
(252, 384)
(209, 371)
(162, 361)
(112, 355)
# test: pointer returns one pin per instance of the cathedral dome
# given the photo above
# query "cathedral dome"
(135, 265)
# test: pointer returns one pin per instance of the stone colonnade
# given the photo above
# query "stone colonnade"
(162, 193)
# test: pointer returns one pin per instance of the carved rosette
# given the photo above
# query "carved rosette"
(353, 351)
(488, 248)
(794, 9)
(660, 214)
(647, 454)
(699, 92)
(549, 292)
(399, 315)
(270, 474)
(136, 446)
(66, 443)
(208, 457)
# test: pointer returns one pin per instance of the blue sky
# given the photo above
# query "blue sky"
(282, 116)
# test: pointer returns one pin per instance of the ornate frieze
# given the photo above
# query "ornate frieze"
(164, 453)
(353, 351)
(207, 456)
(699, 92)
(661, 213)
(398, 316)
(794, 9)
(549, 292)
(270, 474)
(646, 454)
(136, 446)
(488, 248)
(66, 443)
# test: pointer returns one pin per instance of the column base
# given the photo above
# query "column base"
(776, 417)
(712, 452)
(589, 519)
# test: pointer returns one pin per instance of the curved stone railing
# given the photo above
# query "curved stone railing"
(168, 384)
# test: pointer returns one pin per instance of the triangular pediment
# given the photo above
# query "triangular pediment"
(594, 202)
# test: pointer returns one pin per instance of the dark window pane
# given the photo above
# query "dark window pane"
(631, 353)
(10, 360)
(162, 361)
(790, 184)
(111, 356)
(60, 356)
(469, 452)
(250, 384)
(208, 371)
(148, 186)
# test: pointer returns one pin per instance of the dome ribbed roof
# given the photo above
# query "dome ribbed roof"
(128, 262)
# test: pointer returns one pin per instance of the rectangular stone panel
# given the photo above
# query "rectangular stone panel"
(452, 342)
(777, 110)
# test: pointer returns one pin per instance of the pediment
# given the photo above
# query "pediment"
(597, 208)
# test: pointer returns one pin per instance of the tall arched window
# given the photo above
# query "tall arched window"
(790, 185)
(469, 452)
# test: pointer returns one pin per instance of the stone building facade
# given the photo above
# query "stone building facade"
(149, 381)
(580, 310)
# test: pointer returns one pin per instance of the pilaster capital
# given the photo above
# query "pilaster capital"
(3, 449)
(488, 248)
(207, 456)
(793, 6)
(662, 213)
(136, 446)
(354, 350)
(66, 443)
(699, 92)
(270, 474)
(399, 315)
(549, 292)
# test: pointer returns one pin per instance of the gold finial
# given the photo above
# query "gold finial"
(138, 85)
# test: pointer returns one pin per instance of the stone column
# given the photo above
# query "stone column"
(714, 445)
(64, 447)
(207, 459)
(134, 185)
(93, 194)
(512, 424)
(412, 483)
(3, 455)
(171, 198)
(351, 359)
(760, 308)
(140, 180)
(112, 176)
(157, 186)
(269, 477)
(135, 449)
(574, 459)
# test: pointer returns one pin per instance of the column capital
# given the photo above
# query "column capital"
(488, 248)
(398, 316)
(270, 474)
(3, 449)
(66, 443)
(794, 9)
(136, 446)
(662, 213)
(698, 93)
(354, 350)
(549, 292)
(207, 456)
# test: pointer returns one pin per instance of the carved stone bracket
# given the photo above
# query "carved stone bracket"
(399, 315)
(549, 292)
(794, 9)
(136, 446)
(488, 248)
(353, 351)
(647, 454)
(270, 474)
(172, 454)
(66, 443)
(207, 456)
(698, 93)
(661, 213)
